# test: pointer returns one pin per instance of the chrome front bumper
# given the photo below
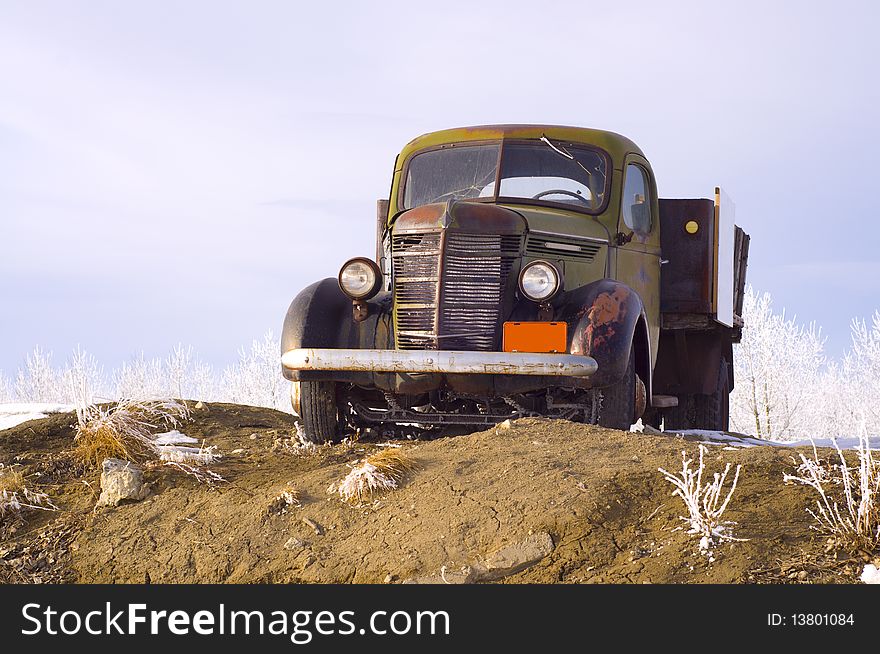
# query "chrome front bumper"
(440, 361)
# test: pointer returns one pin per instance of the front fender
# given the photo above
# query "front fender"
(602, 318)
(321, 317)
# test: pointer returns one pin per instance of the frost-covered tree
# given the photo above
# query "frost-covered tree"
(861, 368)
(778, 367)
(139, 379)
(38, 381)
(178, 368)
(6, 393)
(82, 380)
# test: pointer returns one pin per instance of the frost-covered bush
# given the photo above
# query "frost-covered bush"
(705, 500)
(256, 378)
(848, 502)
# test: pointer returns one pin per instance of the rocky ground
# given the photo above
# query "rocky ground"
(538, 501)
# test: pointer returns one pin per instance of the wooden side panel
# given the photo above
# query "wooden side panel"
(687, 282)
(741, 263)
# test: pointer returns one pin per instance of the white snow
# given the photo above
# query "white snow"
(173, 437)
(871, 575)
(12, 414)
(194, 455)
(712, 437)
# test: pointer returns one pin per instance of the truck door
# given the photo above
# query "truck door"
(638, 242)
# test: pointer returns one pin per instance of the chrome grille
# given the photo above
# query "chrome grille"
(415, 260)
(540, 245)
(476, 269)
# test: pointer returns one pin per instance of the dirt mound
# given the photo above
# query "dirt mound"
(541, 501)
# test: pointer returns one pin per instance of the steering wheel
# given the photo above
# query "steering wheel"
(559, 191)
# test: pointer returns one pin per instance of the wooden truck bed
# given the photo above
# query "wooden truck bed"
(702, 280)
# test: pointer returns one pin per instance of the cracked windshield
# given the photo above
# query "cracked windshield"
(543, 171)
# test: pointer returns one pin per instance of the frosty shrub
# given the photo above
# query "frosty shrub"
(847, 507)
(703, 500)
(124, 430)
(378, 472)
(256, 378)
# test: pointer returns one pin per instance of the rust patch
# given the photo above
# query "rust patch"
(606, 312)
(465, 215)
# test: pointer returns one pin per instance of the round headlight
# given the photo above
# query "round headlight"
(539, 281)
(360, 279)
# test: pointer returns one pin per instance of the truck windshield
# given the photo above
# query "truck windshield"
(538, 172)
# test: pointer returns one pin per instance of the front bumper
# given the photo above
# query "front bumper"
(440, 361)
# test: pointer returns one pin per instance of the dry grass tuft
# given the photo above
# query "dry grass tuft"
(123, 430)
(16, 497)
(286, 500)
(378, 472)
(11, 480)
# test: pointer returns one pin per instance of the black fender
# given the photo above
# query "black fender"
(605, 319)
(321, 317)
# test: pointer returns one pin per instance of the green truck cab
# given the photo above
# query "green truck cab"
(524, 270)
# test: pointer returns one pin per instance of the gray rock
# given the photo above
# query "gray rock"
(504, 562)
(121, 480)
(516, 557)
(294, 544)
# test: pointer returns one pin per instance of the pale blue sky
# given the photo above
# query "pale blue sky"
(177, 171)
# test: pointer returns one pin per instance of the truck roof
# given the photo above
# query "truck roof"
(614, 144)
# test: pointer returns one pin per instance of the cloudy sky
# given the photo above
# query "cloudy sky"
(177, 171)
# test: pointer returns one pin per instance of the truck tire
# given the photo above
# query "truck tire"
(319, 411)
(679, 417)
(618, 407)
(713, 411)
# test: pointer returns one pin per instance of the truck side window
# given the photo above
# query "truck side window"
(636, 203)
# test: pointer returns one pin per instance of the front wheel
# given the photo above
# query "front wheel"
(319, 410)
(624, 402)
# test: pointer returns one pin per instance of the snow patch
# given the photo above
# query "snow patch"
(12, 414)
(173, 437)
(871, 575)
(194, 455)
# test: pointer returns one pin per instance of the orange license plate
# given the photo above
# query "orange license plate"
(535, 336)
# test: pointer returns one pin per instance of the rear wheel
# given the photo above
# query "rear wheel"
(319, 411)
(624, 402)
(700, 411)
(713, 411)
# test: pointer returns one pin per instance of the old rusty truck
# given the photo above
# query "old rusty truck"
(524, 270)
